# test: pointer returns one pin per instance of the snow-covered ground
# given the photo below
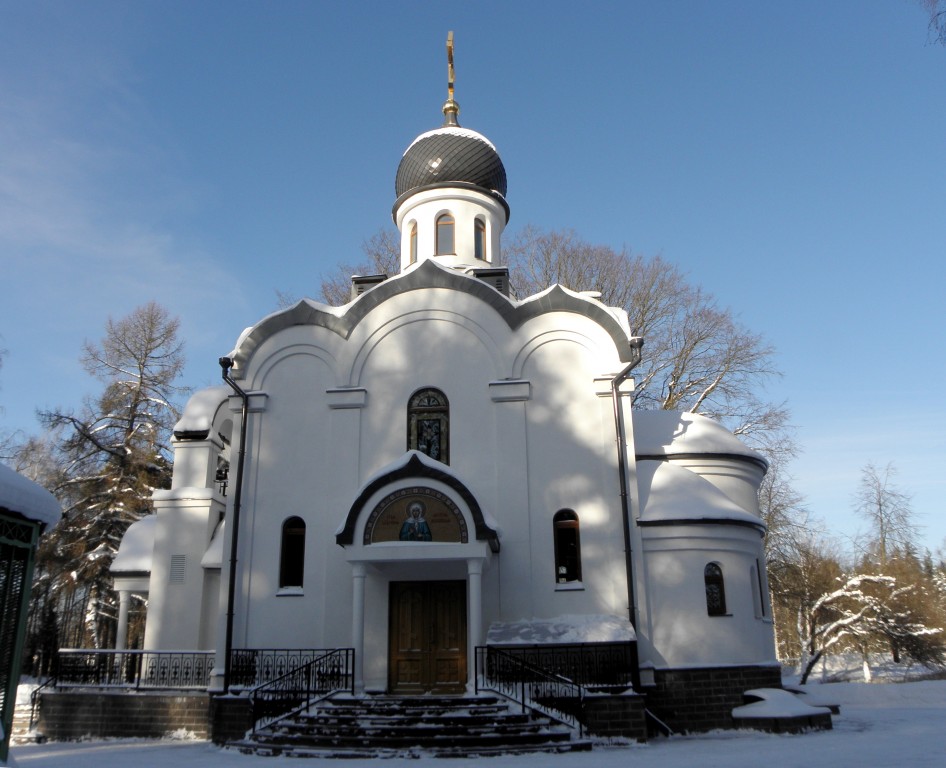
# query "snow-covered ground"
(881, 724)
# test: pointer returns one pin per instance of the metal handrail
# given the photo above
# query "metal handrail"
(50, 682)
(529, 686)
(299, 688)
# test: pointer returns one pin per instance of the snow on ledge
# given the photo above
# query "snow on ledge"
(591, 628)
(776, 703)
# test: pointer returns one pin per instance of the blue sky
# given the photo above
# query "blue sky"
(790, 157)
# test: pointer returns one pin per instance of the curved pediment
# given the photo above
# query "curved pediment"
(428, 274)
(421, 468)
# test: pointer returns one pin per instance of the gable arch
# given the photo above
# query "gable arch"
(416, 469)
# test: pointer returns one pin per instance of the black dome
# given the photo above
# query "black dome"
(451, 154)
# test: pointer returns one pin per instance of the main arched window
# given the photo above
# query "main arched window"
(479, 239)
(292, 553)
(413, 250)
(428, 424)
(567, 547)
(446, 240)
(715, 590)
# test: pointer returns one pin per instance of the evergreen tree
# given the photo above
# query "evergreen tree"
(109, 458)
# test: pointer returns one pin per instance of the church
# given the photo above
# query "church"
(438, 467)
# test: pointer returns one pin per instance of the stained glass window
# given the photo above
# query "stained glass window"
(715, 591)
(428, 422)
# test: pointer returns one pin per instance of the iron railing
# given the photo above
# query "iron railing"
(133, 669)
(530, 686)
(611, 666)
(252, 667)
(298, 688)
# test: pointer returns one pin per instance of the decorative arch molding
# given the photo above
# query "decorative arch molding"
(293, 350)
(428, 274)
(418, 470)
(549, 337)
(422, 315)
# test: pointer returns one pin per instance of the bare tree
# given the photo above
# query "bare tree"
(697, 356)
(382, 257)
(937, 23)
(888, 511)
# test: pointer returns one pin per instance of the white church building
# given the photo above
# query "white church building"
(438, 466)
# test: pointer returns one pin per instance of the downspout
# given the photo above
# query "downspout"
(636, 344)
(226, 364)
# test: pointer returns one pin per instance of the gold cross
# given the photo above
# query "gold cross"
(450, 75)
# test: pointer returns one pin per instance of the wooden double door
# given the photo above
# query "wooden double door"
(427, 637)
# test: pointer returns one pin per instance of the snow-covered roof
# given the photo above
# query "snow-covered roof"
(199, 413)
(668, 492)
(670, 433)
(591, 628)
(21, 495)
(135, 553)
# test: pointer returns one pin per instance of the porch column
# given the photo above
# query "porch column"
(474, 574)
(358, 572)
(121, 635)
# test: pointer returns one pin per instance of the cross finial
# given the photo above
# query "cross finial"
(450, 108)
(450, 75)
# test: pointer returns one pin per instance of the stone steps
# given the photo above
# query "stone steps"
(383, 726)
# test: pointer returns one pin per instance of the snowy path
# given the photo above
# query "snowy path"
(902, 725)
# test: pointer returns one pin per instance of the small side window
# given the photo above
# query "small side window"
(715, 590)
(567, 547)
(414, 243)
(445, 235)
(479, 239)
(292, 553)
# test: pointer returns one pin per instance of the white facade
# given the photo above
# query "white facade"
(528, 432)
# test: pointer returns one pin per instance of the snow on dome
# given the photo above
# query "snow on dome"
(453, 130)
(590, 628)
(670, 433)
(21, 495)
(200, 410)
(669, 492)
(135, 553)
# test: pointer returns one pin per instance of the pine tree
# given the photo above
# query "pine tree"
(111, 457)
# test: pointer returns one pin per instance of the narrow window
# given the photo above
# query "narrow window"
(414, 243)
(445, 232)
(479, 239)
(567, 547)
(428, 424)
(758, 588)
(715, 591)
(292, 555)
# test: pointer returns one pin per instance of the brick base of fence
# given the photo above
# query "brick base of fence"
(703, 699)
(69, 716)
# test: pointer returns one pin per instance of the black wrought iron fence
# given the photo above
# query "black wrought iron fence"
(298, 688)
(530, 686)
(80, 667)
(251, 667)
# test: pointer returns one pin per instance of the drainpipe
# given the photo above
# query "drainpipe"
(226, 364)
(636, 344)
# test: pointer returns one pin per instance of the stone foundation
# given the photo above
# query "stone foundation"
(69, 716)
(230, 717)
(703, 699)
(614, 716)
